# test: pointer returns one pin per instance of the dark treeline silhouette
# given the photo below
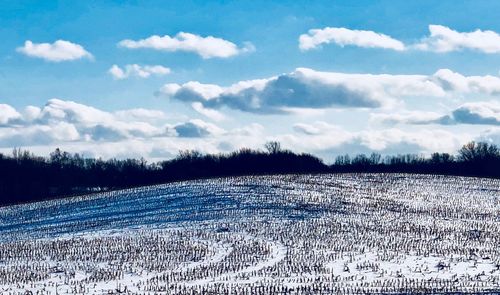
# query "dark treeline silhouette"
(25, 177)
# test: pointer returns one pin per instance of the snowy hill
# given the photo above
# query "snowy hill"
(294, 234)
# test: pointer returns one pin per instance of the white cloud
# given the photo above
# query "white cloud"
(307, 89)
(485, 113)
(31, 113)
(63, 123)
(96, 124)
(441, 39)
(58, 51)
(209, 113)
(74, 121)
(248, 47)
(253, 130)
(393, 141)
(303, 88)
(76, 127)
(15, 136)
(196, 128)
(329, 140)
(444, 39)
(342, 36)
(192, 88)
(491, 135)
(72, 112)
(318, 128)
(473, 113)
(8, 114)
(206, 47)
(140, 114)
(407, 117)
(135, 70)
(455, 82)
(140, 132)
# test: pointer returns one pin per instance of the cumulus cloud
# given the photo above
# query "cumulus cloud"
(444, 39)
(206, 47)
(69, 111)
(485, 113)
(135, 70)
(38, 134)
(343, 36)
(8, 114)
(82, 128)
(456, 82)
(328, 140)
(440, 39)
(196, 128)
(61, 120)
(303, 88)
(391, 141)
(309, 89)
(31, 113)
(58, 51)
(140, 132)
(474, 113)
(209, 113)
(75, 127)
(95, 124)
(253, 130)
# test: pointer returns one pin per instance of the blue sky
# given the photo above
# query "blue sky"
(373, 78)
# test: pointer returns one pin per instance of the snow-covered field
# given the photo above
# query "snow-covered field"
(321, 234)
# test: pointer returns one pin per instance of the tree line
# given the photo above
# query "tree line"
(25, 177)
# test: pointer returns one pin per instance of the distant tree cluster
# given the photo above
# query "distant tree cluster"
(25, 177)
(473, 159)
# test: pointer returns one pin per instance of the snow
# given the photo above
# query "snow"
(334, 233)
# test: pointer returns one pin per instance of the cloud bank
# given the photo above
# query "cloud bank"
(327, 140)
(473, 113)
(125, 133)
(309, 89)
(147, 133)
(61, 120)
(91, 124)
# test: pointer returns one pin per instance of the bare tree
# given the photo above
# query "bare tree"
(273, 147)
(479, 151)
